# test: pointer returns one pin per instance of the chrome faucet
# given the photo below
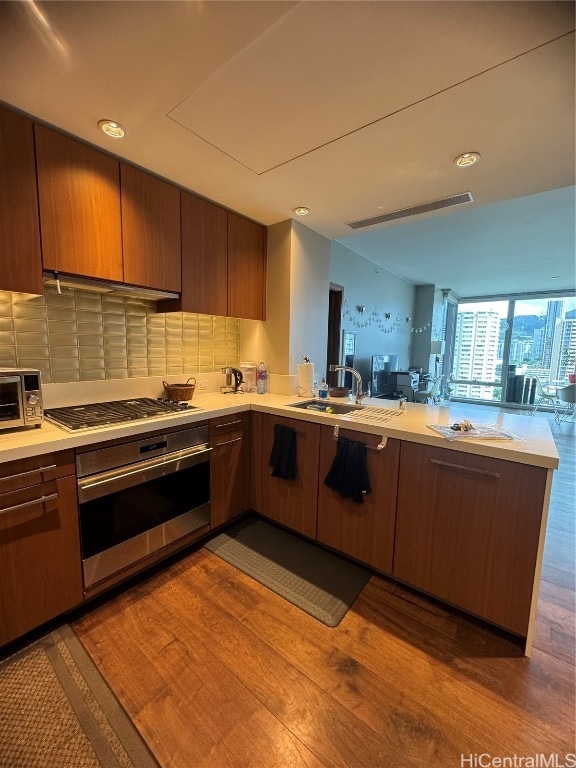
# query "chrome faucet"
(359, 394)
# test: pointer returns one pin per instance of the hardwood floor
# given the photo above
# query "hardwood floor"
(218, 672)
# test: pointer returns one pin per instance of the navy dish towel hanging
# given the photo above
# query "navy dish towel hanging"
(349, 473)
(283, 454)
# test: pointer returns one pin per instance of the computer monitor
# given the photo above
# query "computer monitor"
(380, 368)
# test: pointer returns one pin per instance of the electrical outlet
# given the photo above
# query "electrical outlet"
(202, 385)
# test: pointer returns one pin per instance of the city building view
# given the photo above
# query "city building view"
(501, 348)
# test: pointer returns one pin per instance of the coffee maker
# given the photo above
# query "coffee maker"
(233, 380)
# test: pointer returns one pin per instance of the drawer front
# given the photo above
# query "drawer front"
(36, 469)
(27, 504)
(234, 436)
(224, 424)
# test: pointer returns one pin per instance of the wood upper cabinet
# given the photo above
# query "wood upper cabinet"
(40, 562)
(151, 237)
(79, 211)
(104, 219)
(467, 531)
(292, 502)
(19, 223)
(228, 474)
(246, 268)
(362, 531)
(223, 262)
(79, 194)
(204, 257)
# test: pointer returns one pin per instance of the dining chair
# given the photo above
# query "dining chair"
(543, 398)
(566, 399)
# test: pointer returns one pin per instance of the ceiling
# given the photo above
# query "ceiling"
(353, 109)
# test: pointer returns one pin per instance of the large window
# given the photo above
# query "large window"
(501, 347)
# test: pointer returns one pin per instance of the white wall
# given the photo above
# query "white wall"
(301, 266)
(310, 287)
(379, 291)
(297, 287)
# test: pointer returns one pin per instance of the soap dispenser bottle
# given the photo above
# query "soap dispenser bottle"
(323, 389)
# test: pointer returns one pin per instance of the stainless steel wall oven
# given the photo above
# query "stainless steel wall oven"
(140, 497)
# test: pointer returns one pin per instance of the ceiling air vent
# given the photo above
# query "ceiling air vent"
(435, 205)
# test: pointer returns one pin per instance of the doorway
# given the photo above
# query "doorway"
(334, 332)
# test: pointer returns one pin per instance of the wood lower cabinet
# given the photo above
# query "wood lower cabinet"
(467, 531)
(228, 471)
(79, 194)
(151, 240)
(19, 221)
(40, 563)
(292, 503)
(257, 467)
(362, 531)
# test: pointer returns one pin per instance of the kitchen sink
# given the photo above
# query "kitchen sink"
(361, 414)
(324, 407)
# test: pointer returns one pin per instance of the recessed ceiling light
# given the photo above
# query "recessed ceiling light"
(301, 210)
(467, 159)
(112, 128)
(555, 277)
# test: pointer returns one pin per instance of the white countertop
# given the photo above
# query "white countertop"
(534, 444)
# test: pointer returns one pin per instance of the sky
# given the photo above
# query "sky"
(523, 307)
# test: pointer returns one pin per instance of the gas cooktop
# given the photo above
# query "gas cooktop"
(94, 415)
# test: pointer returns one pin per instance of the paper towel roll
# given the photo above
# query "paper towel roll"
(305, 373)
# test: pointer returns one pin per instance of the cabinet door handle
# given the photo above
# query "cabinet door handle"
(227, 424)
(466, 469)
(30, 472)
(41, 500)
(229, 442)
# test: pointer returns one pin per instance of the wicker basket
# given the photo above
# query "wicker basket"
(180, 391)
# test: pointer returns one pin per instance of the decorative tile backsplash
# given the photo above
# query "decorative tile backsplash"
(84, 336)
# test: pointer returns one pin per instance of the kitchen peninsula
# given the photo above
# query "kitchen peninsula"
(462, 520)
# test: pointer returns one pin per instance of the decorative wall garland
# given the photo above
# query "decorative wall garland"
(381, 320)
(421, 328)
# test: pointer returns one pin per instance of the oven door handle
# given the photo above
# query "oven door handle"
(95, 486)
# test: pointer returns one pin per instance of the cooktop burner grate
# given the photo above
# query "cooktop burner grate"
(95, 415)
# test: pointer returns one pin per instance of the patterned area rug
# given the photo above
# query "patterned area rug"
(56, 711)
(321, 583)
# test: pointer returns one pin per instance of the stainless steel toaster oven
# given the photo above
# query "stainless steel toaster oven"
(20, 398)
